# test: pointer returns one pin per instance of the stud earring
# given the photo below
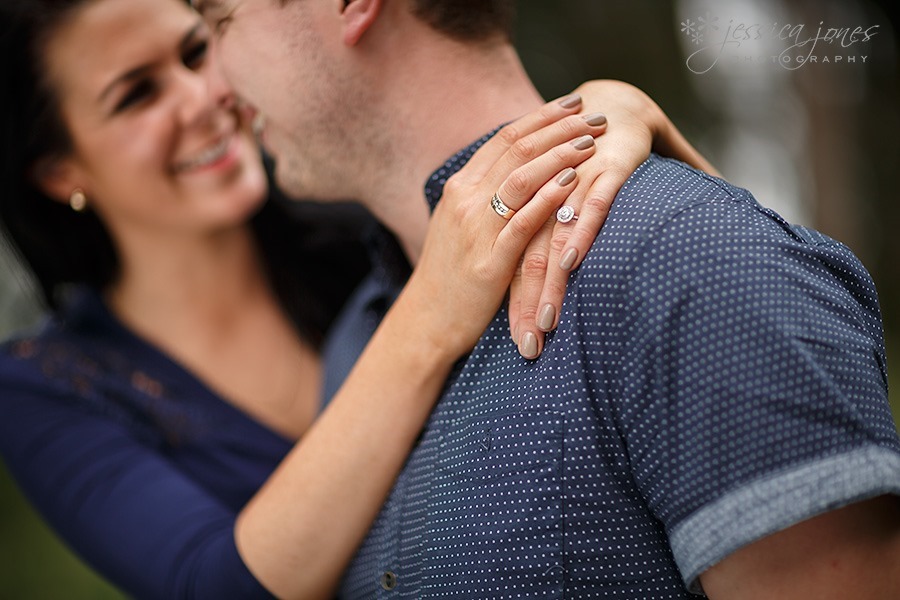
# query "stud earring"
(77, 200)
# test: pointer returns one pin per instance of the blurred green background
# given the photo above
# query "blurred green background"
(817, 143)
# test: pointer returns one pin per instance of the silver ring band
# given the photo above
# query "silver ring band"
(566, 214)
(500, 208)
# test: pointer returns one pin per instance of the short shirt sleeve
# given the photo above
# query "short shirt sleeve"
(753, 381)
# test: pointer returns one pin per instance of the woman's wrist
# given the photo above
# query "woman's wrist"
(418, 322)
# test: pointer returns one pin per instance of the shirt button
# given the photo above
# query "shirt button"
(388, 581)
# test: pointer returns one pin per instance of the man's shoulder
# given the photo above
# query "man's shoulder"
(667, 198)
(667, 206)
(662, 188)
(668, 216)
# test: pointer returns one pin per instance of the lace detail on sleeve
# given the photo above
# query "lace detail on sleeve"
(105, 381)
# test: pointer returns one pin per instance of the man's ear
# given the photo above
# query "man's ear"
(358, 17)
(57, 178)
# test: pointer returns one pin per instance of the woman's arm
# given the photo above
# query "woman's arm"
(299, 532)
(123, 506)
(636, 126)
(156, 532)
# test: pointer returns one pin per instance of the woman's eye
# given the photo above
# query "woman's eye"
(193, 58)
(138, 93)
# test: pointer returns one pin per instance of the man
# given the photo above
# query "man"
(710, 414)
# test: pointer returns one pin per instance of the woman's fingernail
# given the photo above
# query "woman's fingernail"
(568, 259)
(570, 101)
(566, 177)
(528, 347)
(547, 317)
(584, 142)
(595, 119)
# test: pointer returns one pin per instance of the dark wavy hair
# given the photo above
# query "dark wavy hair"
(468, 20)
(63, 247)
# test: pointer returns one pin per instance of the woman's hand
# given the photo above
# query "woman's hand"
(471, 252)
(636, 126)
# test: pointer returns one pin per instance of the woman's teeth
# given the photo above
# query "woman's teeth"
(207, 157)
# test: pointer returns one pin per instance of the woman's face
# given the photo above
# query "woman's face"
(153, 148)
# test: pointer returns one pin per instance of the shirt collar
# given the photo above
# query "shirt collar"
(434, 187)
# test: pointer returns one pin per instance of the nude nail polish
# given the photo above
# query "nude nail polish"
(528, 348)
(566, 177)
(568, 259)
(594, 119)
(570, 101)
(547, 317)
(584, 142)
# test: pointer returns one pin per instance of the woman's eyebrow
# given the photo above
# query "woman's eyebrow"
(139, 71)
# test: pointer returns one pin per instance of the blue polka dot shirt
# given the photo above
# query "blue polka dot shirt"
(717, 375)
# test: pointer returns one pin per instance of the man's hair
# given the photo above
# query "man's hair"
(468, 20)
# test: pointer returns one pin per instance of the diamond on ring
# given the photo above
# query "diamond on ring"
(500, 208)
(566, 214)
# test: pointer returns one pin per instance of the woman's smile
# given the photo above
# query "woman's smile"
(221, 155)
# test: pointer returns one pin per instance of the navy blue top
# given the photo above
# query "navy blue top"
(717, 375)
(138, 466)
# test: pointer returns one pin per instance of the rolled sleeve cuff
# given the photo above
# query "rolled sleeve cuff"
(776, 502)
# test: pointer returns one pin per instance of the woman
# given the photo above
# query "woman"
(162, 420)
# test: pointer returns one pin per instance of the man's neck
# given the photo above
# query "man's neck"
(460, 93)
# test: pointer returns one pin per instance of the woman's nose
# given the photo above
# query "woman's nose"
(194, 100)
(219, 88)
(203, 91)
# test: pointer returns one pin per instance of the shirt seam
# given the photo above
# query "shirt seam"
(629, 275)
